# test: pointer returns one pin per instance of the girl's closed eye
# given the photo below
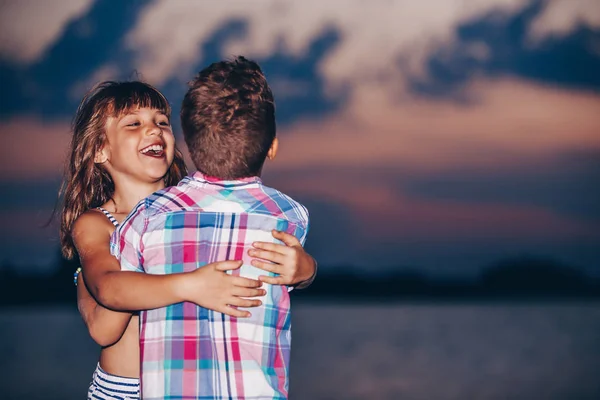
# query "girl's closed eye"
(130, 121)
(163, 120)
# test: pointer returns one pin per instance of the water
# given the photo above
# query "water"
(400, 351)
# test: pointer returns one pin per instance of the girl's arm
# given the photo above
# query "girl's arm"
(210, 286)
(105, 326)
(293, 265)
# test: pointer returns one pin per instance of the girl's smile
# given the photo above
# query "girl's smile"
(155, 150)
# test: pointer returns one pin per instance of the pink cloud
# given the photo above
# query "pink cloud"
(384, 211)
(510, 122)
(511, 125)
(36, 150)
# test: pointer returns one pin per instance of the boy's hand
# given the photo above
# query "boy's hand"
(293, 265)
(211, 287)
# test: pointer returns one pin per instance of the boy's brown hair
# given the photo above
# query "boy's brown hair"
(228, 119)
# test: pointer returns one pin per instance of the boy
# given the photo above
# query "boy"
(189, 352)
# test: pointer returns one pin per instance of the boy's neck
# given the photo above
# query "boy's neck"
(216, 178)
(128, 194)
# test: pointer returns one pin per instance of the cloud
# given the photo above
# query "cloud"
(36, 149)
(562, 17)
(392, 176)
(499, 44)
(95, 54)
(363, 217)
(85, 49)
(384, 208)
(28, 27)
(300, 91)
(566, 185)
(373, 35)
(319, 50)
(373, 38)
(429, 171)
(509, 122)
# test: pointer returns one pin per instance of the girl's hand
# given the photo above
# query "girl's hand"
(211, 287)
(293, 265)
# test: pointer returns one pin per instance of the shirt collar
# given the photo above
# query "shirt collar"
(199, 178)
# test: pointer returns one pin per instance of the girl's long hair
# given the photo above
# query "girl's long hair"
(87, 184)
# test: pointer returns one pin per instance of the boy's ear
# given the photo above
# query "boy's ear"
(101, 156)
(273, 150)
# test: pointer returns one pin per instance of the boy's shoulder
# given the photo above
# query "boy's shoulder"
(262, 199)
(167, 199)
(280, 204)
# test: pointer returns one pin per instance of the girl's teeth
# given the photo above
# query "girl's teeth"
(155, 148)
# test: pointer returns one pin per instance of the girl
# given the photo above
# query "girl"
(122, 150)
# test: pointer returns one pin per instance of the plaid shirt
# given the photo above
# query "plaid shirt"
(189, 352)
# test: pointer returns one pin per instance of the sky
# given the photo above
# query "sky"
(436, 136)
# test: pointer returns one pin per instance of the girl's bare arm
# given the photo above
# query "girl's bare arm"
(105, 326)
(209, 286)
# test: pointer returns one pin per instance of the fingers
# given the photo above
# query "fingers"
(247, 292)
(232, 312)
(228, 265)
(245, 282)
(278, 258)
(266, 266)
(241, 302)
(275, 280)
(274, 247)
(286, 238)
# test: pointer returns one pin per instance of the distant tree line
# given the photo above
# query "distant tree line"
(510, 279)
(515, 278)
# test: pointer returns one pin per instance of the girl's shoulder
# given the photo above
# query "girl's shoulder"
(91, 232)
(93, 219)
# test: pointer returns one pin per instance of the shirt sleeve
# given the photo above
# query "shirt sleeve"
(126, 241)
(303, 229)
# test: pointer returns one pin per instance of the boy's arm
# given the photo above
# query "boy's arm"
(294, 266)
(209, 286)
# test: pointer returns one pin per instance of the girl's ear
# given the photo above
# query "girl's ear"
(101, 156)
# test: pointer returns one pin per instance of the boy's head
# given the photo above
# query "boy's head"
(228, 119)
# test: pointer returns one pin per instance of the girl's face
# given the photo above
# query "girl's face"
(139, 145)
